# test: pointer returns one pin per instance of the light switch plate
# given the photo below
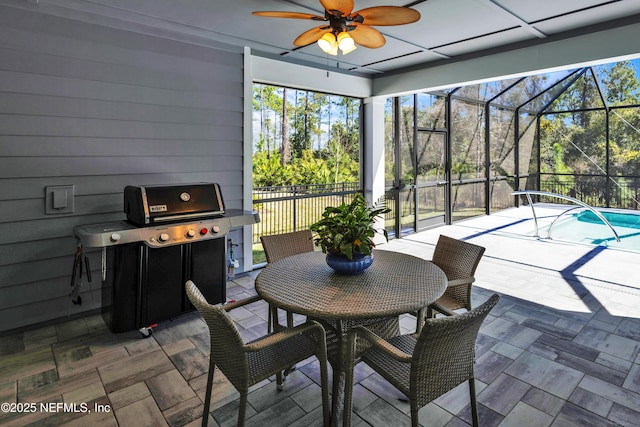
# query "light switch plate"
(59, 199)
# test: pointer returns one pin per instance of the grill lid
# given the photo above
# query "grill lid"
(147, 205)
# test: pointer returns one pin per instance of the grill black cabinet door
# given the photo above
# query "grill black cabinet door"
(208, 269)
(163, 285)
(121, 286)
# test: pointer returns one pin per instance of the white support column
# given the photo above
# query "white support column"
(247, 180)
(373, 148)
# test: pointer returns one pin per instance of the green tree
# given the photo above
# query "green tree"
(621, 83)
(284, 154)
(267, 102)
(306, 121)
(285, 151)
(623, 88)
(268, 171)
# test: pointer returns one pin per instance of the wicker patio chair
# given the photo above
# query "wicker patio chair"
(245, 364)
(424, 368)
(459, 260)
(278, 246)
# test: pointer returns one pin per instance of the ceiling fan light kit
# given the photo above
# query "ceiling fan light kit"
(346, 29)
(345, 43)
(329, 43)
(326, 42)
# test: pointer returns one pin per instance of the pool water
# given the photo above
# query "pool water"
(615, 218)
(586, 227)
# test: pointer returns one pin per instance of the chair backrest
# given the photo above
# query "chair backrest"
(458, 259)
(278, 246)
(444, 354)
(226, 343)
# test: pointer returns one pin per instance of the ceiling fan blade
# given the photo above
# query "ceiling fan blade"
(367, 36)
(388, 15)
(311, 36)
(344, 6)
(294, 15)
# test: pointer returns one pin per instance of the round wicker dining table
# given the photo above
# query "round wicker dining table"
(394, 284)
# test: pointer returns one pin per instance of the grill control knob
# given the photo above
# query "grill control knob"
(115, 237)
(215, 229)
(191, 233)
(163, 237)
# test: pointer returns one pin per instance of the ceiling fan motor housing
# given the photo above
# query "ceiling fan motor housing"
(341, 19)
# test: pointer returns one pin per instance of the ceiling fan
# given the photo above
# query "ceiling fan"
(345, 28)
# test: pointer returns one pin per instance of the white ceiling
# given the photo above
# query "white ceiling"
(448, 29)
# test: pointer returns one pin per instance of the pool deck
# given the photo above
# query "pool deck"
(560, 275)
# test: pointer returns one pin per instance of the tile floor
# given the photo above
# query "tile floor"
(560, 349)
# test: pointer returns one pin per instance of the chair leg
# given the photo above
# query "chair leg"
(467, 304)
(280, 380)
(273, 316)
(207, 398)
(414, 415)
(289, 325)
(324, 384)
(420, 316)
(242, 411)
(474, 404)
(430, 313)
(289, 319)
(348, 382)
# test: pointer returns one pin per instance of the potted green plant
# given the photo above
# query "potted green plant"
(345, 233)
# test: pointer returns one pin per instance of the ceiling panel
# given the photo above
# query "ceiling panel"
(445, 21)
(446, 30)
(486, 42)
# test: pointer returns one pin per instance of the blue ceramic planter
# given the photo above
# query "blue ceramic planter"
(343, 265)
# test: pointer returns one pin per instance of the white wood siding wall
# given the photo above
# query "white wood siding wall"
(100, 108)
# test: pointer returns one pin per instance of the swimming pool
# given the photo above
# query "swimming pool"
(585, 227)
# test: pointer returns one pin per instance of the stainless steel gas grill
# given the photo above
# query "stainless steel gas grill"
(172, 234)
